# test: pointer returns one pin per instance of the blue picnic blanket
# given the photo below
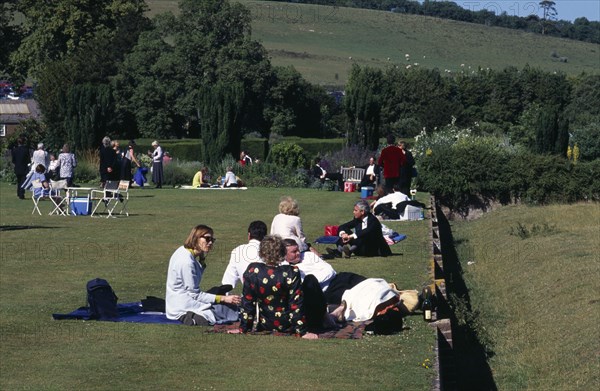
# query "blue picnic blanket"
(128, 312)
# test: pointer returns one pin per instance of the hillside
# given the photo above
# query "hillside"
(322, 42)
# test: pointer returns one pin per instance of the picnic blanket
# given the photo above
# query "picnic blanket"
(214, 187)
(134, 313)
(391, 239)
(128, 312)
(351, 330)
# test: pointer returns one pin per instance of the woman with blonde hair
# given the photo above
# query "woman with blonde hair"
(185, 301)
(288, 224)
(276, 290)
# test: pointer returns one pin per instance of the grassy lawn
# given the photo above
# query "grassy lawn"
(533, 275)
(45, 262)
(322, 42)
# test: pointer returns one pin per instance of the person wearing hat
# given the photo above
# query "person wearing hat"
(128, 158)
(157, 164)
(40, 156)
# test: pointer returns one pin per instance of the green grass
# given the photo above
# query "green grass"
(536, 294)
(45, 262)
(324, 41)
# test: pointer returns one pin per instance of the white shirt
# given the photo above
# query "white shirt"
(311, 263)
(157, 155)
(289, 227)
(40, 157)
(241, 257)
(363, 298)
(395, 198)
(370, 170)
(183, 292)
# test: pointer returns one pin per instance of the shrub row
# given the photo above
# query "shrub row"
(466, 173)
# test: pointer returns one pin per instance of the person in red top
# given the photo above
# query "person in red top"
(391, 159)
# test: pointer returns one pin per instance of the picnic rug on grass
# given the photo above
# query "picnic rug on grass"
(135, 313)
(351, 330)
(390, 239)
(128, 312)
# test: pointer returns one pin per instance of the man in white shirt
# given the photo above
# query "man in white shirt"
(382, 206)
(242, 256)
(316, 273)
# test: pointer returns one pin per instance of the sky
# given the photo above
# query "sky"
(566, 9)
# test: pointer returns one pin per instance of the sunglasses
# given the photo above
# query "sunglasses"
(209, 238)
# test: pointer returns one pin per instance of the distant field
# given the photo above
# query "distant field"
(322, 42)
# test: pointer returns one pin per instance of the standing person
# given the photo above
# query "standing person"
(118, 159)
(276, 290)
(126, 162)
(40, 156)
(391, 159)
(157, 164)
(366, 240)
(245, 160)
(320, 173)
(406, 171)
(245, 254)
(67, 164)
(21, 160)
(184, 299)
(108, 160)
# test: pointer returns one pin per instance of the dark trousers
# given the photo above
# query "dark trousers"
(338, 177)
(20, 180)
(391, 182)
(339, 284)
(315, 305)
(386, 210)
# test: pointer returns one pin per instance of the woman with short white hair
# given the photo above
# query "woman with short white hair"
(157, 164)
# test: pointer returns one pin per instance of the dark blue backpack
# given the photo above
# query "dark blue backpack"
(102, 300)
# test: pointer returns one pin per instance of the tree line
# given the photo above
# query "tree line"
(581, 29)
(103, 68)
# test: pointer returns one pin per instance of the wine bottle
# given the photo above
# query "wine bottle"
(427, 306)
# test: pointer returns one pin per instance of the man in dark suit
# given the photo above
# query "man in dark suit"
(367, 239)
(372, 171)
(21, 160)
(320, 173)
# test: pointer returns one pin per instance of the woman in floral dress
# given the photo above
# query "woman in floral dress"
(67, 164)
(278, 291)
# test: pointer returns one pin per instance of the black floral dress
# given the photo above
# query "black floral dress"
(278, 292)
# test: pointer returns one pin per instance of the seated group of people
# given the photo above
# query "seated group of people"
(202, 179)
(286, 287)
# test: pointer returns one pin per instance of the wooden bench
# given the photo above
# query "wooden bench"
(352, 174)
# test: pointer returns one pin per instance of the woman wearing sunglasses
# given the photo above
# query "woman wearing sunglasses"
(184, 299)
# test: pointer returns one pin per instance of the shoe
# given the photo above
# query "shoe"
(346, 251)
(334, 252)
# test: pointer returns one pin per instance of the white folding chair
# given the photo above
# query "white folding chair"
(114, 194)
(37, 186)
(59, 201)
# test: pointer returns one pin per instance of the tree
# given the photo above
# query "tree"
(221, 106)
(9, 36)
(57, 29)
(552, 135)
(549, 14)
(363, 106)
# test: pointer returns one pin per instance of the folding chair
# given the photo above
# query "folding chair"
(51, 194)
(56, 198)
(114, 194)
